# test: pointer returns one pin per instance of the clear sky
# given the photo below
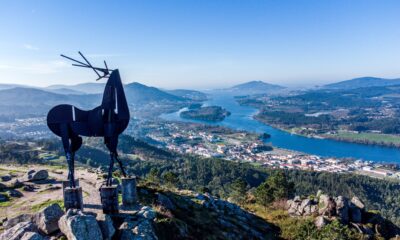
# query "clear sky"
(201, 44)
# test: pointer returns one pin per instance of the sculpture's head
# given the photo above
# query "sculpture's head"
(105, 71)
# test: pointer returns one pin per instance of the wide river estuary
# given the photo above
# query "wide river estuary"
(241, 118)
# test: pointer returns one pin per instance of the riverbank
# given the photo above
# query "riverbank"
(372, 139)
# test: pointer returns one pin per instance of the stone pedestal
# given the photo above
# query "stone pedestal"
(73, 198)
(109, 199)
(66, 183)
(129, 194)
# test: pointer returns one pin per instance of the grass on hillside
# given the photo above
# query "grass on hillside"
(38, 207)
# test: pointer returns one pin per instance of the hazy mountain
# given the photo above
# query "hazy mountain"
(138, 93)
(30, 101)
(363, 82)
(65, 91)
(254, 87)
(89, 88)
(188, 94)
(4, 86)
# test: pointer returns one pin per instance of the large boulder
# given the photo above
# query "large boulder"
(18, 219)
(33, 175)
(326, 205)
(14, 193)
(5, 178)
(3, 197)
(32, 236)
(106, 226)
(79, 226)
(342, 208)
(47, 218)
(16, 232)
(137, 230)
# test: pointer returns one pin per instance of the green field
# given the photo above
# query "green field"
(369, 137)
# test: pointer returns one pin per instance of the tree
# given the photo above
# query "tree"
(281, 187)
(238, 191)
(153, 175)
(264, 194)
(170, 178)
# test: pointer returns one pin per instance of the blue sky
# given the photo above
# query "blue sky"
(201, 44)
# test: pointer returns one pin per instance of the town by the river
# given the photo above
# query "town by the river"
(241, 118)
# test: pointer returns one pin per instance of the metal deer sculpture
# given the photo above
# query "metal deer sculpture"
(107, 120)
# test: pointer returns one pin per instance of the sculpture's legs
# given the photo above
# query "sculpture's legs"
(70, 162)
(110, 170)
(120, 164)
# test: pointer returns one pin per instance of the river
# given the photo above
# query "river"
(241, 118)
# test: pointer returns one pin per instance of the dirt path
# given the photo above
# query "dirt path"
(51, 191)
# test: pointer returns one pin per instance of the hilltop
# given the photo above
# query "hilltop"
(363, 82)
(254, 87)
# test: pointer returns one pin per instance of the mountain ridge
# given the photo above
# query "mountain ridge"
(363, 82)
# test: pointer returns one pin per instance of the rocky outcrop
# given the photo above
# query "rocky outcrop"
(18, 219)
(18, 231)
(327, 206)
(349, 212)
(46, 220)
(34, 175)
(79, 226)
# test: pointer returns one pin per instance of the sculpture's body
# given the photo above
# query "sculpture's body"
(107, 120)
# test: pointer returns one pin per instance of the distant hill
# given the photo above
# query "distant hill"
(363, 82)
(188, 94)
(65, 91)
(138, 93)
(4, 86)
(254, 87)
(89, 88)
(30, 101)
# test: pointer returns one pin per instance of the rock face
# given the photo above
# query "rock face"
(106, 226)
(34, 175)
(326, 207)
(47, 218)
(79, 226)
(137, 230)
(18, 231)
